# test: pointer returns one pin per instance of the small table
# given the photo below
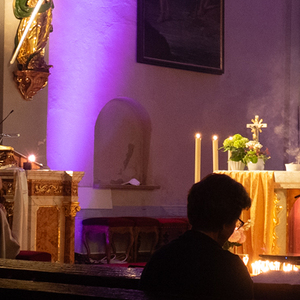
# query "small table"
(293, 259)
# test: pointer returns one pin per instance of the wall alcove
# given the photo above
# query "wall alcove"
(122, 144)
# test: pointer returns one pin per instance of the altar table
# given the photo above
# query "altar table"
(43, 212)
(276, 285)
(272, 194)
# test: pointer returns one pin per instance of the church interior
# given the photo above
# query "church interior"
(119, 135)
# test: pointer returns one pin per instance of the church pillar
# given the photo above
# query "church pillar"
(71, 210)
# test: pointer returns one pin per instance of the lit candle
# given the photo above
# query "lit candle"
(197, 157)
(246, 259)
(215, 153)
(255, 268)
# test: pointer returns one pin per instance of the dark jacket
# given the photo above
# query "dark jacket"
(195, 265)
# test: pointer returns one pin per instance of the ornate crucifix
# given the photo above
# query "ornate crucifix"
(256, 127)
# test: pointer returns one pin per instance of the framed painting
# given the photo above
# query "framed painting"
(180, 34)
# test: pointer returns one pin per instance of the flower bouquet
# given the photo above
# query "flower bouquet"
(238, 237)
(236, 145)
(254, 152)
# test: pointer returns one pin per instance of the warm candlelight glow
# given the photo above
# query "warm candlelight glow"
(262, 266)
(197, 157)
(215, 153)
(246, 259)
(31, 158)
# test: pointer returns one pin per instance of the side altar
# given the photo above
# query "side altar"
(273, 196)
(42, 212)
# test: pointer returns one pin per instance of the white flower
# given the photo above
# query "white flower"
(254, 145)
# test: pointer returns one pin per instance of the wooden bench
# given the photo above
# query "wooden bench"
(43, 280)
(40, 280)
(92, 275)
(31, 290)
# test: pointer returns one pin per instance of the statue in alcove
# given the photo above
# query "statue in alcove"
(31, 39)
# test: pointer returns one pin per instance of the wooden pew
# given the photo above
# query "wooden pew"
(91, 275)
(26, 289)
(31, 290)
(44, 280)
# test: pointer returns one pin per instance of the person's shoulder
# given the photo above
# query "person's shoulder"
(231, 257)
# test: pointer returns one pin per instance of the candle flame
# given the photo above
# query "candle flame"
(215, 137)
(198, 135)
(31, 158)
(260, 266)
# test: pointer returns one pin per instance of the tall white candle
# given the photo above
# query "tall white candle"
(197, 157)
(229, 155)
(229, 152)
(215, 153)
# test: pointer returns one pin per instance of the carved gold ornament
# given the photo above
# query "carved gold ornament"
(52, 188)
(71, 209)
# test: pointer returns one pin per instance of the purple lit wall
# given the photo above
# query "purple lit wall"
(86, 54)
(93, 51)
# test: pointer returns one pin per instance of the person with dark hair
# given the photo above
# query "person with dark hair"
(195, 265)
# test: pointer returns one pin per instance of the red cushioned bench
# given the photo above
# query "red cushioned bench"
(34, 256)
(109, 226)
(163, 229)
(171, 228)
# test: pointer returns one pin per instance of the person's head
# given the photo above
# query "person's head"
(217, 200)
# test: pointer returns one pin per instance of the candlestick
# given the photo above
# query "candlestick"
(229, 155)
(197, 157)
(215, 153)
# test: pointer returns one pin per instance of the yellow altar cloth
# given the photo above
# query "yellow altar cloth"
(261, 237)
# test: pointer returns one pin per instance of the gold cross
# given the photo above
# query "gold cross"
(256, 127)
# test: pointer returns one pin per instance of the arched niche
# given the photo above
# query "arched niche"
(122, 142)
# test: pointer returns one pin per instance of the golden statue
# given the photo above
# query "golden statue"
(31, 39)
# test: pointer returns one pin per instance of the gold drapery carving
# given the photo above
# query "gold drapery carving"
(277, 209)
(261, 238)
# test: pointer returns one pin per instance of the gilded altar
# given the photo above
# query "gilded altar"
(273, 196)
(50, 212)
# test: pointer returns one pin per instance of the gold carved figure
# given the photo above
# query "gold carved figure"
(33, 71)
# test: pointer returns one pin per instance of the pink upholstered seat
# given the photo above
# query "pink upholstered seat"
(171, 228)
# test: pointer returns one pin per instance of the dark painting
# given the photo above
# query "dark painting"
(184, 34)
